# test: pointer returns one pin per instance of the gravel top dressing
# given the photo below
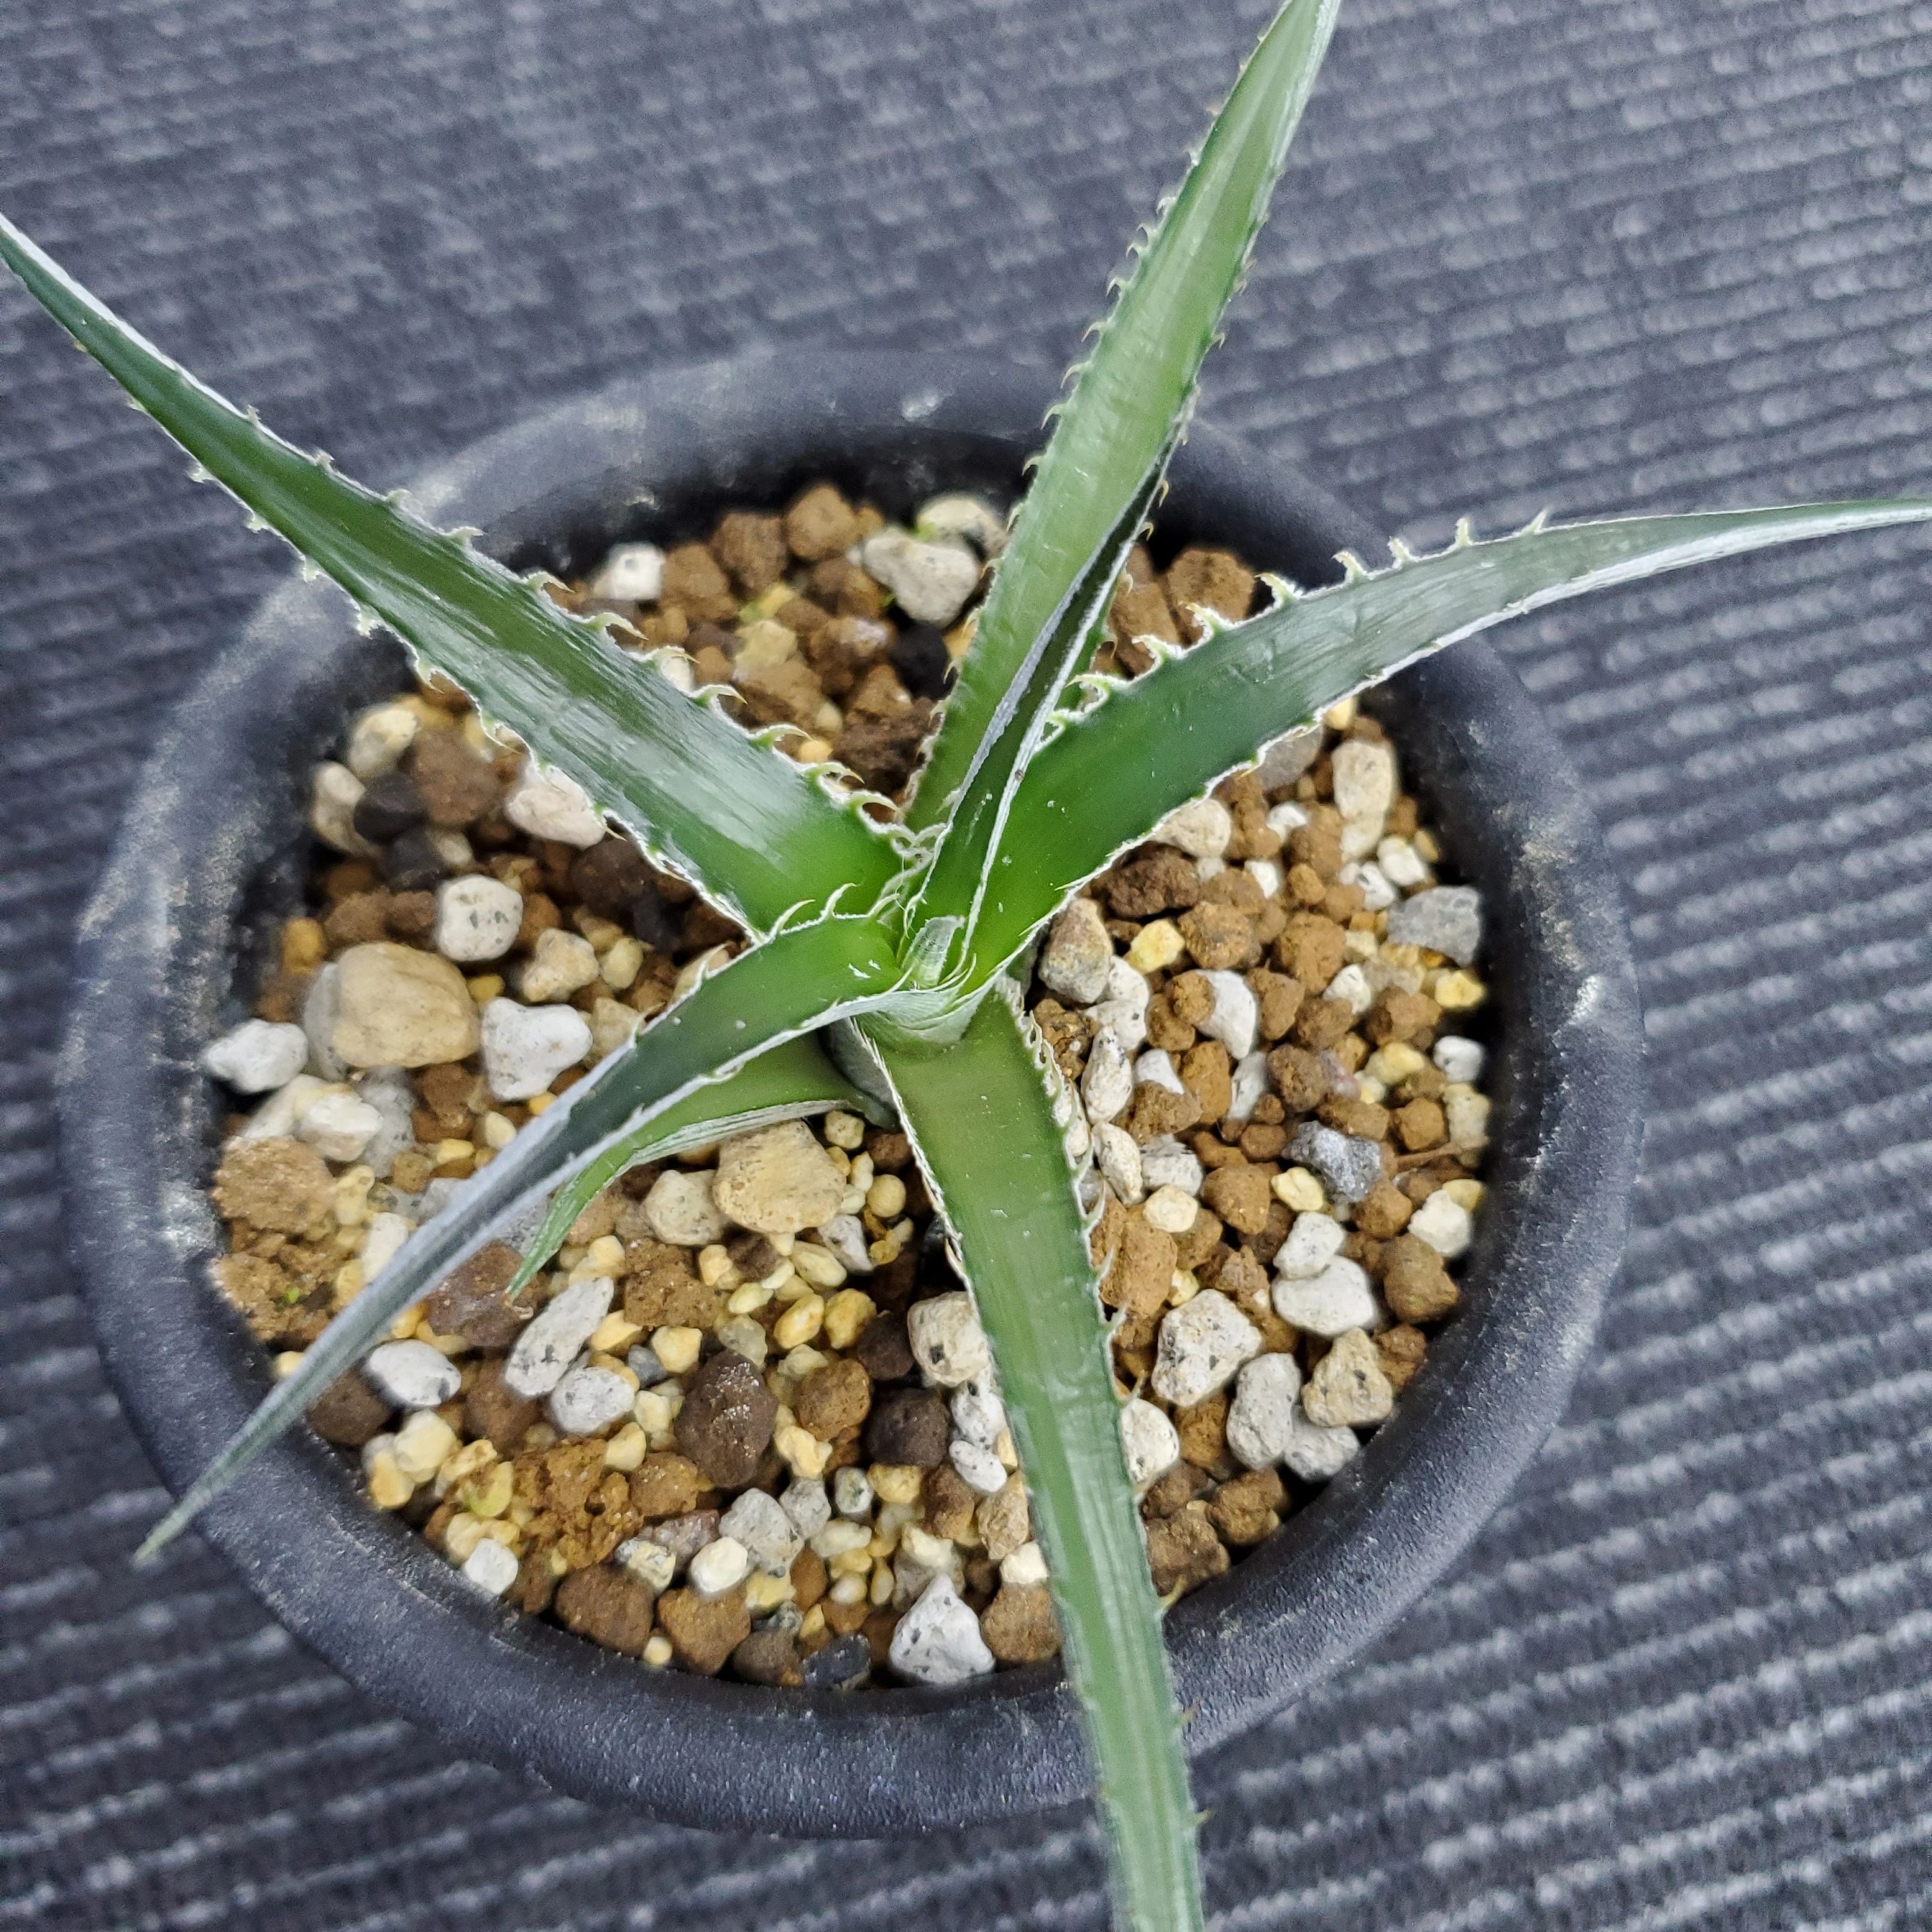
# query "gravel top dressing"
(749, 1423)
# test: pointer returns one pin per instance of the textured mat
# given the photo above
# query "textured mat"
(1622, 253)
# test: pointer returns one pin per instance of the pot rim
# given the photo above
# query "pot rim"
(651, 455)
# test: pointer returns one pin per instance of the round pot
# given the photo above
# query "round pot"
(210, 855)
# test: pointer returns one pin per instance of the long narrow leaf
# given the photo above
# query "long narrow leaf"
(980, 1119)
(764, 997)
(1130, 402)
(1115, 772)
(754, 832)
(957, 881)
(792, 1081)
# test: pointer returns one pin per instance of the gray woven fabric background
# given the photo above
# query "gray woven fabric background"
(1598, 253)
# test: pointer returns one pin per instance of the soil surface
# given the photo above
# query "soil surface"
(747, 1423)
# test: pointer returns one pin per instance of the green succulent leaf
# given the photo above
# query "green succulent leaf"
(1116, 770)
(981, 1119)
(791, 1082)
(1129, 404)
(806, 975)
(757, 834)
(956, 883)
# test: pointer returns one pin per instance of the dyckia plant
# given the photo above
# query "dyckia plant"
(890, 947)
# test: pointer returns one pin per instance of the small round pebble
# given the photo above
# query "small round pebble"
(721, 1564)
(549, 1344)
(1152, 1445)
(525, 1048)
(589, 1399)
(489, 1567)
(412, 1374)
(937, 1641)
(947, 1341)
(1203, 1344)
(257, 1056)
(1339, 1298)
(477, 918)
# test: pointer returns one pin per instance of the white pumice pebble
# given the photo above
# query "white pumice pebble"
(1107, 1084)
(1312, 1243)
(1123, 1009)
(1401, 864)
(412, 1374)
(1156, 1066)
(257, 1056)
(1351, 985)
(278, 1115)
(1329, 1304)
(387, 1089)
(1171, 1211)
(1025, 1568)
(1262, 1418)
(1286, 817)
(938, 1640)
(1315, 1453)
(947, 1341)
(1459, 1060)
(339, 1125)
(1118, 1159)
(931, 580)
(632, 573)
(844, 1235)
(335, 791)
(1443, 1225)
(978, 1413)
(1447, 919)
(381, 1245)
(525, 1048)
(1210, 867)
(1378, 891)
(758, 1522)
(547, 804)
(1203, 1343)
(957, 514)
(560, 964)
(1074, 960)
(721, 1565)
(551, 1343)
(851, 1496)
(1201, 828)
(649, 1561)
(1468, 1114)
(1249, 1082)
(1364, 789)
(477, 918)
(1266, 873)
(1152, 1445)
(490, 1567)
(977, 1467)
(378, 739)
(1236, 1015)
(1166, 1163)
(589, 1399)
(806, 1505)
(321, 1009)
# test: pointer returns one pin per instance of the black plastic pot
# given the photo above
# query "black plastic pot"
(211, 848)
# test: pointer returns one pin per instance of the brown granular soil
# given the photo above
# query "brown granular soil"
(774, 607)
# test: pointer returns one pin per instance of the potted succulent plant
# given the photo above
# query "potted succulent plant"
(889, 947)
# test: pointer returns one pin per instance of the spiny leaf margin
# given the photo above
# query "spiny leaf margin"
(982, 1120)
(1132, 394)
(1110, 771)
(747, 827)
